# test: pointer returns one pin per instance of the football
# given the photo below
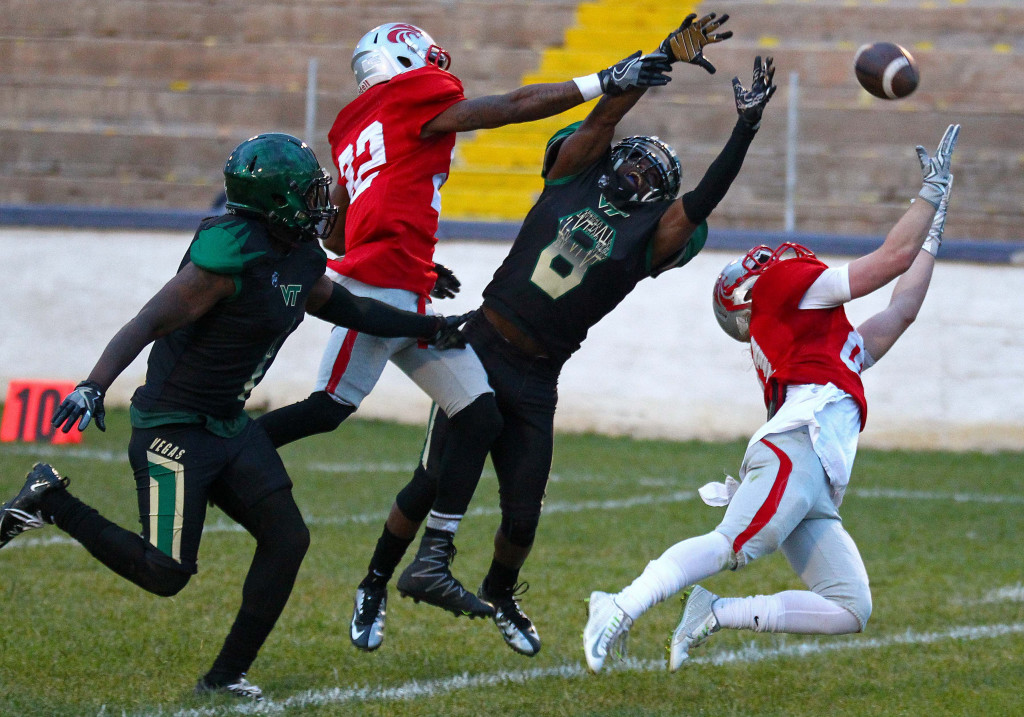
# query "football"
(886, 70)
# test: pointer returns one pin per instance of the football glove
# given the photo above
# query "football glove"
(934, 240)
(936, 170)
(635, 71)
(687, 43)
(449, 335)
(446, 286)
(82, 405)
(751, 103)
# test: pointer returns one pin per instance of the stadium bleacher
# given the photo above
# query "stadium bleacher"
(135, 103)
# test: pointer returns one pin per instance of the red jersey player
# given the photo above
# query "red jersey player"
(789, 306)
(392, 146)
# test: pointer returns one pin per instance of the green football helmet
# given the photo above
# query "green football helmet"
(277, 177)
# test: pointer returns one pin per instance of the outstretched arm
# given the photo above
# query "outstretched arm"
(904, 240)
(533, 102)
(677, 225)
(335, 304)
(882, 330)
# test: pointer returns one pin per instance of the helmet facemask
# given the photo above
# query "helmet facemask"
(644, 169)
(394, 48)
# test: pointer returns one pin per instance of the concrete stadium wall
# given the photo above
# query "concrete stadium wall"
(658, 366)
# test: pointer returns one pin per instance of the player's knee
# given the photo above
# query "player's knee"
(324, 413)
(854, 596)
(481, 420)
(415, 499)
(519, 523)
(860, 605)
(161, 575)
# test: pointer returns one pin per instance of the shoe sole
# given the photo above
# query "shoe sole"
(457, 612)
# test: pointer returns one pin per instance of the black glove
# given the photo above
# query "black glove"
(448, 335)
(751, 103)
(635, 71)
(687, 43)
(446, 286)
(85, 402)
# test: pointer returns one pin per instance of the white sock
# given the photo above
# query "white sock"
(447, 522)
(794, 611)
(685, 563)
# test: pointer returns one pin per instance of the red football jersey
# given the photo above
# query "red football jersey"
(796, 346)
(393, 178)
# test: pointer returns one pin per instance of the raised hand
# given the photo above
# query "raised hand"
(936, 170)
(687, 43)
(635, 71)
(85, 403)
(750, 103)
(447, 285)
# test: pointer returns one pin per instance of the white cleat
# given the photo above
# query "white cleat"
(697, 624)
(606, 631)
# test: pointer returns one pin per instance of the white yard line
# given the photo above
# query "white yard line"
(313, 520)
(358, 694)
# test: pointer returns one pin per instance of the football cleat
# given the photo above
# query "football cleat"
(606, 632)
(367, 629)
(697, 624)
(237, 687)
(516, 628)
(429, 579)
(23, 511)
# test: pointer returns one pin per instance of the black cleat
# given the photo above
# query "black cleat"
(367, 628)
(237, 687)
(429, 579)
(23, 511)
(516, 628)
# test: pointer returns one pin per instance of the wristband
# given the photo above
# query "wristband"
(931, 245)
(589, 86)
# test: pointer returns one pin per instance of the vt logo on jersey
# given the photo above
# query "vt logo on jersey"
(610, 209)
(291, 293)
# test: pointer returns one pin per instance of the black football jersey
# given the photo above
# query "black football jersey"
(575, 258)
(210, 366)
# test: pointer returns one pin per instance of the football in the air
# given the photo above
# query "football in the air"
(886, 70)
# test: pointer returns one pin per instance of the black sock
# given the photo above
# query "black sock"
(386, 557)
(501, 579)
(243, 642)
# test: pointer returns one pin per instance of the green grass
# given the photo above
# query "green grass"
(77, 640)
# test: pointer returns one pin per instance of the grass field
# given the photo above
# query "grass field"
(940, 533)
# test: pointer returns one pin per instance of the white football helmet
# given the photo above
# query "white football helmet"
(731, 296)
(391, 49)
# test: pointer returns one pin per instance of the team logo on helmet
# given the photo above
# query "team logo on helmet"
(400, 32)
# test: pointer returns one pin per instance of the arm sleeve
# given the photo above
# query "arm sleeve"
(375, 317)
(700, 202)
(830, 289)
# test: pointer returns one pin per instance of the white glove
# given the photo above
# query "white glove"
(935, 170)
(934, 240)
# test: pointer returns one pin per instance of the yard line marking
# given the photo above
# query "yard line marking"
(432, 688)
(107, 456)
(1010, 593)
(936, 495)
(224, 526)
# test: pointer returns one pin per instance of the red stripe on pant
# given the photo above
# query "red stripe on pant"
(771, 504)
(341, 361)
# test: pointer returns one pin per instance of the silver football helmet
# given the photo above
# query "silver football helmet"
(731, 296)
(645, 169)
(391, 49)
